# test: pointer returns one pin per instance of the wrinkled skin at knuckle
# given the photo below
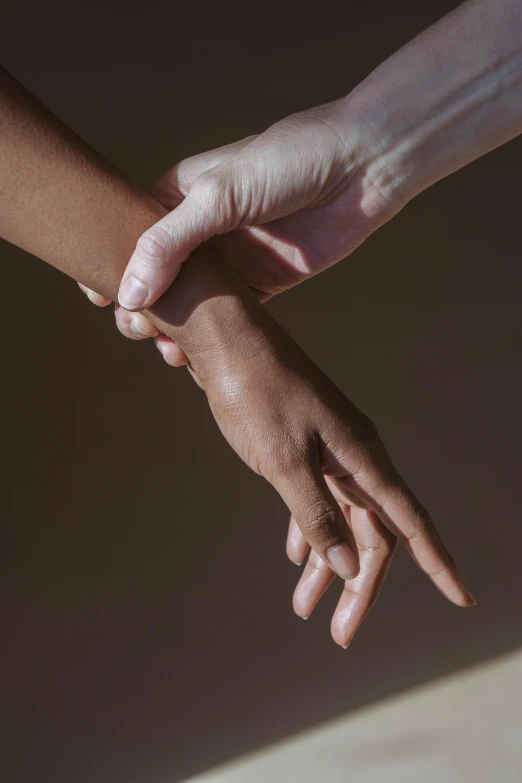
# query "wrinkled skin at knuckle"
(320, 518)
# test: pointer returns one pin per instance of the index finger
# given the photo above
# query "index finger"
(401, 512)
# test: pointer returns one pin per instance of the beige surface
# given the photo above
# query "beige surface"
(464, 728)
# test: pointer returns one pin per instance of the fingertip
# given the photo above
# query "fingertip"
(141, 327)
(460, 593)
(303, 599)
(449, 583)
(296, 544)
(467, 599)
(133, 293)
(301, 603)
(343, 561)
(172, 353)
(153, 266)
(97, 299)
(341, 636)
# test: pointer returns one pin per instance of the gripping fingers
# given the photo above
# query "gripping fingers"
(171, 352)
(98, 299)
(162, 249)
(134, 325)
(175, 184)
(201, 193)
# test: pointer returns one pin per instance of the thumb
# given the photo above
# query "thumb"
(209, 209)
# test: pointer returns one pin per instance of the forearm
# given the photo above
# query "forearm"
(447, 97)
(62, 202)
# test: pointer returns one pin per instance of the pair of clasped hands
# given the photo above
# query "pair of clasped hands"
(278, 208)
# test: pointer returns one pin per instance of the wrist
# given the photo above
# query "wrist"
(212, 317)
(387, 160)
(379, 166)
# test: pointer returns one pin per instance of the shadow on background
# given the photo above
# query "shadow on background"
(146, 599)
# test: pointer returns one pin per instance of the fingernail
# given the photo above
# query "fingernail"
(163, 350)
(133, 293)
(92, 297)
(297, 562)
(348, 643)
(343, 561)
(471, 599)
(135, 329)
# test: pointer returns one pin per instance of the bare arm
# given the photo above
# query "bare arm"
(62, 202)
(65, 204)
(311, 188)
(449, 96)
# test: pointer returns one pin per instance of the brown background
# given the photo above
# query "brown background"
(146, 621)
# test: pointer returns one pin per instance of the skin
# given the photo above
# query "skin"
(286, 204)
(282, 206)
(282, 415)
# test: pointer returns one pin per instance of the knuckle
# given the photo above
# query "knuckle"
(321, 519)
(216, 193)
(429, 526)
(152, 248)
(208, 186)
(366, 431)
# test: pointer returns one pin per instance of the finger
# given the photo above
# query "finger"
(376, 547)
(296, 544)
(317, 576)
(171, 352)
(210, 208)
(98, 299)
(204, 205)
(402, 513)
(174, 185)
(134, 325)
(381, 489)
(319, 517)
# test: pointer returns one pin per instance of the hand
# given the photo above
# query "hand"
(278, 207)
(290, 424)
(288, 203)
(281, 414)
